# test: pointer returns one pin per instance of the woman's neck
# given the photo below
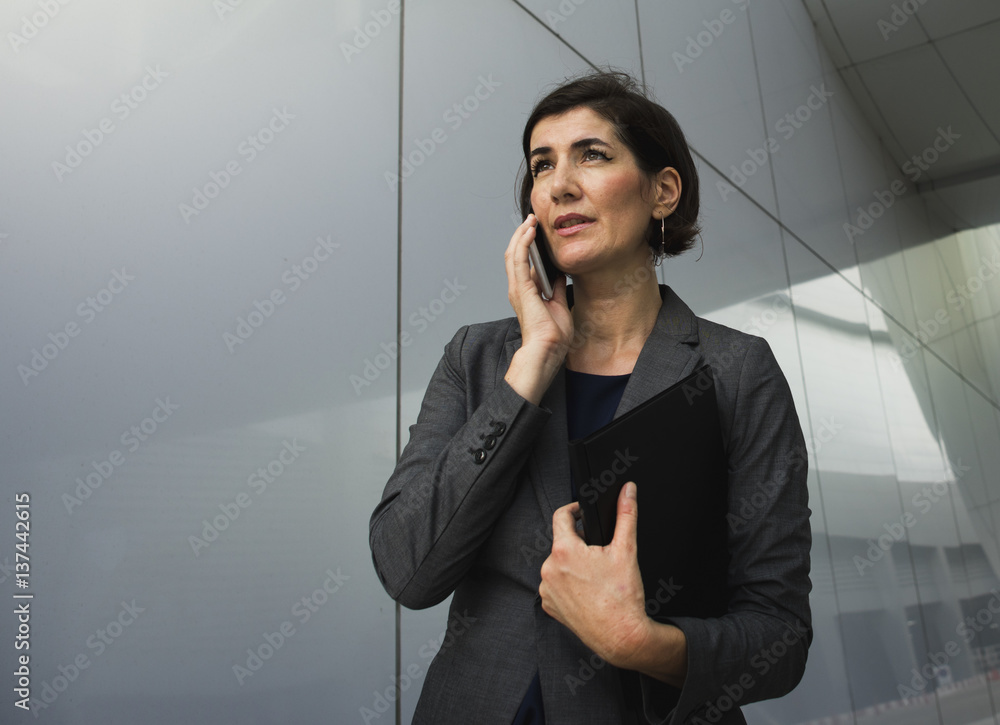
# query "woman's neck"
(611, 323)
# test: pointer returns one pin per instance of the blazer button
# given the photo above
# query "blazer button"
(499, 429)
(490, 442)
(479, 456)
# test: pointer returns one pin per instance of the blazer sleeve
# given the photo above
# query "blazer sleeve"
(757, 650)
(455, 477)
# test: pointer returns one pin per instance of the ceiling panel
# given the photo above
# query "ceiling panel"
(941, 18)
(917, 96)
(868, 31)
(914, 72)
(974, 58)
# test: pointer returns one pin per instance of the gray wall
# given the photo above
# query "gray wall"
(232, 163)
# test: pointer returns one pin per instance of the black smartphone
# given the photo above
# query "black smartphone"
(541, 259)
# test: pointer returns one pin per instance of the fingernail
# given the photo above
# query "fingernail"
(629, 490)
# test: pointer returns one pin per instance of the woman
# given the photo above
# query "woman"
(481, 503)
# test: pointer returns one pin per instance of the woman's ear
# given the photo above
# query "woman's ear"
(668, 188)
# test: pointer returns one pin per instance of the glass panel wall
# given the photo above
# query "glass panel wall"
(235, 238)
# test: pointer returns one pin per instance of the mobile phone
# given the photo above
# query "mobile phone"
(536, 262)
(541, 259)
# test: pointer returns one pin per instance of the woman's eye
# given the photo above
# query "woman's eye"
(539, 166)
(588, 155)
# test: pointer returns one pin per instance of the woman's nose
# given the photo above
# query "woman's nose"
(564, 181)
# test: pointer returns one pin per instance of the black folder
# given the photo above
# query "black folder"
(671, 446)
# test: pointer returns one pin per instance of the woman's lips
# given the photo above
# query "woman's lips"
(567, 231)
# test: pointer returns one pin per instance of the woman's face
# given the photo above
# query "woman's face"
(587, 193)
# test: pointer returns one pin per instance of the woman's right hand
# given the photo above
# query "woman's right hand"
(546, 325)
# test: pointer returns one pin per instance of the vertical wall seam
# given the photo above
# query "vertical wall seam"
(398, 663)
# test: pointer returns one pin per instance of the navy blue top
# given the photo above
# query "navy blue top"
(591, 402)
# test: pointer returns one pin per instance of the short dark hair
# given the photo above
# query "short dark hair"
(649, 131)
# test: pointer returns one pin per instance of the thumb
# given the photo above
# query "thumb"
(628, 517)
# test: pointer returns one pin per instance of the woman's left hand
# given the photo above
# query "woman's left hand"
(596, 591)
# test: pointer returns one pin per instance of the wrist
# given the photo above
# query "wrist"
(532, 370)
(658, 650)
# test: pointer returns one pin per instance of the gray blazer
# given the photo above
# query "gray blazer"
(468, 510)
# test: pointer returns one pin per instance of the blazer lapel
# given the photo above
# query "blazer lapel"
(669, 353)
